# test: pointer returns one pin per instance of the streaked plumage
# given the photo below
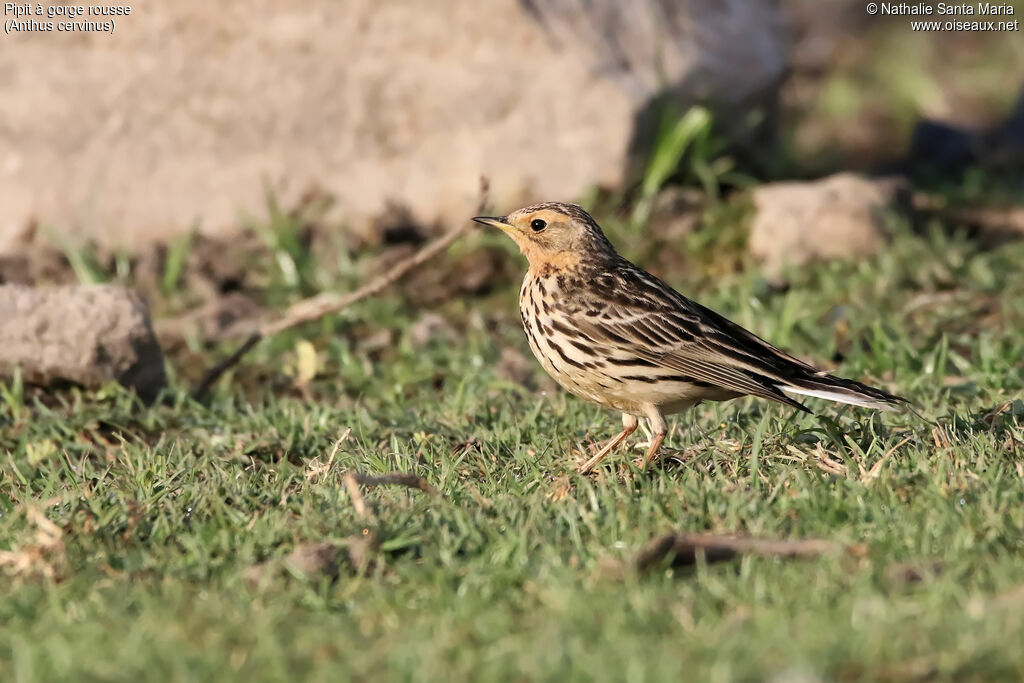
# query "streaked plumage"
(611, 333)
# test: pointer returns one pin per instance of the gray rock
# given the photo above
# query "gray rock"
(841, 216)
(180, 115)
(84, 334)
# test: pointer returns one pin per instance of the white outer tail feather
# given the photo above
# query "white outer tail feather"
(840, 397)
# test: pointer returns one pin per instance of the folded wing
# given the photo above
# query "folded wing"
(642, 317)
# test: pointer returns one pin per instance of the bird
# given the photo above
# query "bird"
(613, 334)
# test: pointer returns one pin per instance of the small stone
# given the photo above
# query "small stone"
(363, 549)
(841, 216)
(84, 334)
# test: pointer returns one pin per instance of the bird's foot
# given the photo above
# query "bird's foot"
(642, 462)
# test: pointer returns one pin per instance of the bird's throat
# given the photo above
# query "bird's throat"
(546, 263)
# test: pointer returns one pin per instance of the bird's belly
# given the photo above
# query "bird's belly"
(575, 372)
(607, 386)
(576, 367)
(668, 392)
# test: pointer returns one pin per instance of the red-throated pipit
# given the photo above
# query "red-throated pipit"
(614, 334)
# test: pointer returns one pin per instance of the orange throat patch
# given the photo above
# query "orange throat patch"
(545, 263)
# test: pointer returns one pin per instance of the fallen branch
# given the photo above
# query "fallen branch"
(684, 550)
(353, 480)
(325, 303)
(400, 478)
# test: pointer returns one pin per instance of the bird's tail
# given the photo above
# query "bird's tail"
(832, 388)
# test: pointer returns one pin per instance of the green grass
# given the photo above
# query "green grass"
(159, 515)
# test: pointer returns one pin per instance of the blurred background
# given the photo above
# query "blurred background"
(222, 158)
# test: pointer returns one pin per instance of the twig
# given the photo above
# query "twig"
(400, 478)
(215, 372)
(353, 480)
(322, 304)
(685, 549)
(867, 476)
(314, 468)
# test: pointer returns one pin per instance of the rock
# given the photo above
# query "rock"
(363, 550)
(84, 334)
(181, 116)
(841, 216)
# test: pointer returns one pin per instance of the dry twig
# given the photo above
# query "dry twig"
(685, 549)
(325, 303)
(399, 478)
(869, 475)
(353, 480)
(315, 469)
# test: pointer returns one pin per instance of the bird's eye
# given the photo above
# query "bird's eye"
(537, 225)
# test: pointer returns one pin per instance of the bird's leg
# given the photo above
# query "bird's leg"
(645, 442)
(659, 429)
(629, 424)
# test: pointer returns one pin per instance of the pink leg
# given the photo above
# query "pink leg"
(658, 431)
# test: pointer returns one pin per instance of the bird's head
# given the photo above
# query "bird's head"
(556, 234)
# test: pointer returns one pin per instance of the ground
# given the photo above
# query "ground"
(162, 543)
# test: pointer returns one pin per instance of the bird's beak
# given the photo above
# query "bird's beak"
(500, 222)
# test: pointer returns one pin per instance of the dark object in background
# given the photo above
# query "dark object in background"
(945, 150)
(942, 148)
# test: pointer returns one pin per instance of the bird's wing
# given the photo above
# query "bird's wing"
(635, 315)
(638, 315)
